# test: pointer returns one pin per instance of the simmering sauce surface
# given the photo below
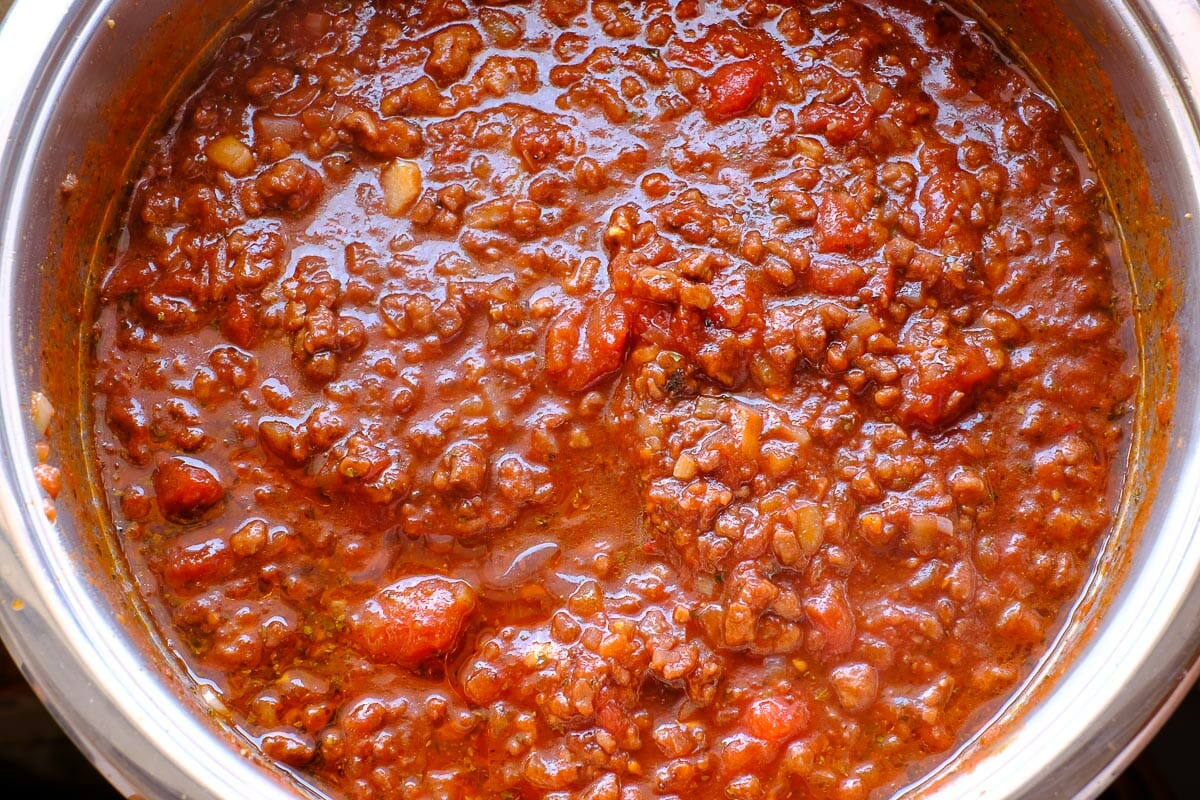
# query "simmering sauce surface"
(610, 401)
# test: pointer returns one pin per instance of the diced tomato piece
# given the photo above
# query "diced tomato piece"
(238, 324)
(776, 719)
(185, 488)
(586, 342)
(940, 196)
(413, 619)
(614, 716)
(940, 200)
(830, 615)
(203, 562)
(840, 227)
(836, 278)
(882, 284)
(740, 752)
(131, 274)
(943, 368)
(733, 88)
(841, 123)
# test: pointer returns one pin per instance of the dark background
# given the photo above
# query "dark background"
(38, 760)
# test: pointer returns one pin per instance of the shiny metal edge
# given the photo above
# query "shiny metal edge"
(1181, 18)
(1095, 715)
(103, 690)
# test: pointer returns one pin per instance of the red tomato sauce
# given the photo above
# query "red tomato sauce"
(609, 401)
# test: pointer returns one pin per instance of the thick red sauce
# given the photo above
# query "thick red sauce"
(610, 401)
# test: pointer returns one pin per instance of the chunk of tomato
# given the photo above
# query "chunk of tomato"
(775, 719)
(733, 88)
(413, 619)
(204, 563)
(840, 226)
(830, 615)
(586, 341)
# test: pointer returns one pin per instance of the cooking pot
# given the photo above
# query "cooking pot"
(81, 81)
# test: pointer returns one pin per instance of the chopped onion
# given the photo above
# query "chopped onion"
(401, 184)
(232, 155)
(42, 412)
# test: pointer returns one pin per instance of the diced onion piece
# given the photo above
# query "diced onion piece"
(316, 23)
(810, 528)
(862, 325)
(401, 184)
(42, 412)
(925, 529)
(232, 155)
(213, 700)
(269, 126)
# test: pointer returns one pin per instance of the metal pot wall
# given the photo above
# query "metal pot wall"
(82, 80)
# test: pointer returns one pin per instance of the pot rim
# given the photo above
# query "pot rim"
(101, 687)
(115, 704)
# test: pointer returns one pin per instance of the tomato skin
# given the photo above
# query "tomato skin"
(733, 88)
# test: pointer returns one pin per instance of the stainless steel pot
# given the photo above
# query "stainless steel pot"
(81, 79)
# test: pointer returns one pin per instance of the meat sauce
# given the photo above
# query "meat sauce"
(611, 401)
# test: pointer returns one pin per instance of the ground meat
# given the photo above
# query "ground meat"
(451, 51)
(610, 401)
(289, 186)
